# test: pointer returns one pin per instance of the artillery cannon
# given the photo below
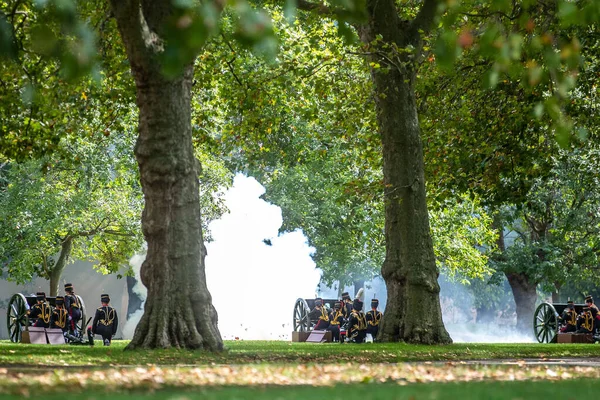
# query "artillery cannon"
(17, 320)
(302, 308)
(546, 321)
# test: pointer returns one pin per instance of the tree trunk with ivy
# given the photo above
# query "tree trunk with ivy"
(174, 271)
(413, 313)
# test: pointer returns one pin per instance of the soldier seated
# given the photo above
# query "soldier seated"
(569, 318)
(319, 314)
(59, 317)
(589, 301)
(41, 311)
(336, 320)
(585, 321)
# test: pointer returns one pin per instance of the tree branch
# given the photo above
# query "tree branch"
(319, 8)
(424, 19)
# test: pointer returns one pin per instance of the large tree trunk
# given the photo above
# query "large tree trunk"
(178, 311)
(413, 312)
(59, 267)
(525, 295)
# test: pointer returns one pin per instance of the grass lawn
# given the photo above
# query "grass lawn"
(284, 370)
(564, 390)
(257, 352)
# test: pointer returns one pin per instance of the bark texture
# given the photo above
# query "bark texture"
(413, 313)
(178, 310)
(525, 294)
(56, 272)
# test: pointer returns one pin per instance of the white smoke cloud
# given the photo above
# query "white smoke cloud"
(132, 321)
(253, 285)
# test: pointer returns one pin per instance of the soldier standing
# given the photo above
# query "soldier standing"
(41, 311)
(373, 318)
(105, 321)
(59, 317)
(73, 307)
(569, 318)
(357, 324)
(347, 303)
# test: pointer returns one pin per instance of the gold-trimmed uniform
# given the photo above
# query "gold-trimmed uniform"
(357, 326)
(41, 313)
(59, 319)
(373, 318)
(105, 322)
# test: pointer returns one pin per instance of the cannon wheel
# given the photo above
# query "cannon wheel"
(16, 317)
(545, 323)
(301, 316)
(80, 324)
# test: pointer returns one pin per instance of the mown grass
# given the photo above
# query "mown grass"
(257, 352)
(284, 370)
(579, 389)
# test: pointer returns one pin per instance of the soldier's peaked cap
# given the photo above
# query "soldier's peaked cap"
(104, 298)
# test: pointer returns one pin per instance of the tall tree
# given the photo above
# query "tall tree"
(173, 271)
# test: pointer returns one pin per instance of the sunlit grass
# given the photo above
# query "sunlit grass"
(256, 352)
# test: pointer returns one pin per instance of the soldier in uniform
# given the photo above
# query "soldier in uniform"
(347, 302)
(373, 318)
(59, 317)
(585, 321)
(589, 301)
(336, 320)
(72, 306)
(41, 311)
(319, 314)
(357, 324)
(569, 318)
(105, 321)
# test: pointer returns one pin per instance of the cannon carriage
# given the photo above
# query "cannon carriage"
(302, 308)
(546, 321)
(18, 321)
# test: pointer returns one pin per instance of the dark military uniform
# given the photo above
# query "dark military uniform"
(357, 324)
(589, 300)
(73, 306)
(59, 317)
(585, 321)
(347, 305)
(319, 314)
(373, 318)
(569, 319)
(336, 320)
(41, 311)
(105, 321)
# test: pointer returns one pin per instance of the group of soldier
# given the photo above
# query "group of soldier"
(347, 318)
(66, 314)
(587, 321)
